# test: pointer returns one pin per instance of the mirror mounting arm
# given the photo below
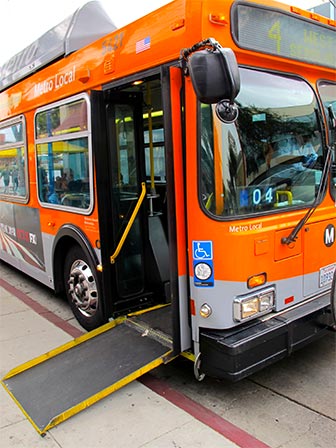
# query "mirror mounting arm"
(209, 43)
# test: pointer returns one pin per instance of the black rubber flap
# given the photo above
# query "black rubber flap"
(54, 386)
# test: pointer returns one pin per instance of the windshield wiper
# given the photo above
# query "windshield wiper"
(291, 238)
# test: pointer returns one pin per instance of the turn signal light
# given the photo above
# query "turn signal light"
(256, 280)
(178, 25)
(218, 19)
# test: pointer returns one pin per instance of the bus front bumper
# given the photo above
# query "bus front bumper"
(236, 353)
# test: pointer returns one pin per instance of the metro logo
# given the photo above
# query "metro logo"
(329, 235)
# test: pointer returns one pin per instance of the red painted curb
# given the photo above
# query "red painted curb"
(41, 310)
(204, 415)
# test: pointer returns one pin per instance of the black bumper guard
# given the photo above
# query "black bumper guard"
(236, 353)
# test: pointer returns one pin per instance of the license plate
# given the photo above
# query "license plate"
(326, 275)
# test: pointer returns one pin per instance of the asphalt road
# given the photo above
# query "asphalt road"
(291, 404)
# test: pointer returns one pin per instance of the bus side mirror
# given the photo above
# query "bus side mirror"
(214, 75)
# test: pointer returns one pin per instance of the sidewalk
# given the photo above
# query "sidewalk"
(134, 417)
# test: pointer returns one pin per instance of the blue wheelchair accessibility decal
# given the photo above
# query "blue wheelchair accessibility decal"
(203, 263)
(202, 250)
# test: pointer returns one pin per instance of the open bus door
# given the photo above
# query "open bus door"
(134, 248)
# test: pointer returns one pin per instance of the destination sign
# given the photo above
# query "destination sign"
(283, 34)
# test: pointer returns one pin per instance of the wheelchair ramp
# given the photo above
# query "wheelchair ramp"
(65, 381)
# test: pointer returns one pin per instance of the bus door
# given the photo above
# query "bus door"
(133, 244)
(124, 128)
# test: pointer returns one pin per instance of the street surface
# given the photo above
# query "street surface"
(291, 404)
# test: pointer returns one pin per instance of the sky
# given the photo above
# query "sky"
(23, 21)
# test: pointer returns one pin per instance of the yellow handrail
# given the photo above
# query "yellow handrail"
(150, 136)
(287, 193)
(130, 223)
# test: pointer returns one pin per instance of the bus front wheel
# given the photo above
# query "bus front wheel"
(82, 289)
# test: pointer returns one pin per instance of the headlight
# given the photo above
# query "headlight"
(253, 305)
(249, 308)
(266, 301)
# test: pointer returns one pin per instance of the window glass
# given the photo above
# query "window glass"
(327, 91)
(271, 157)
(63, 164)
(158, 154)
(13, 161)
(12, 134)
(64, 119)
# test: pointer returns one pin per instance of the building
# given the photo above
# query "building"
(326, 9)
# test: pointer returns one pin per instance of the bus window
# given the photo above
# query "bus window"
(271, 157)
(153, 141)
(62, 149)
(158, 156)
(13, 161)
(327, 91)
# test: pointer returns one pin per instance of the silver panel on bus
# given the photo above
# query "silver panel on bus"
(87, 24)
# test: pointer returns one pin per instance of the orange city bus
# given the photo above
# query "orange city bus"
(181, 168)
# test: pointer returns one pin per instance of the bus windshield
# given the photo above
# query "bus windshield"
(270, 158)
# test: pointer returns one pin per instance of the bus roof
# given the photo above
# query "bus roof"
(85, 25)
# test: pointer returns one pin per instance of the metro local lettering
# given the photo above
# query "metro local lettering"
(60, 80)
(65, 78)
(245, 228)
(43, 87)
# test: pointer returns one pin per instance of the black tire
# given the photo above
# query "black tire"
(82, 289)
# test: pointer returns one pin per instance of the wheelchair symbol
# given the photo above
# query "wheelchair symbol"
(202, 250)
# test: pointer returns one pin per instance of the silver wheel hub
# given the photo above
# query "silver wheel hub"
(83, 289)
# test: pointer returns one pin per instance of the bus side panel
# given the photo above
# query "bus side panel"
(319, 256)
(21, 242)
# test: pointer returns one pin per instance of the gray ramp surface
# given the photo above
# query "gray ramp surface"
(52, 387)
